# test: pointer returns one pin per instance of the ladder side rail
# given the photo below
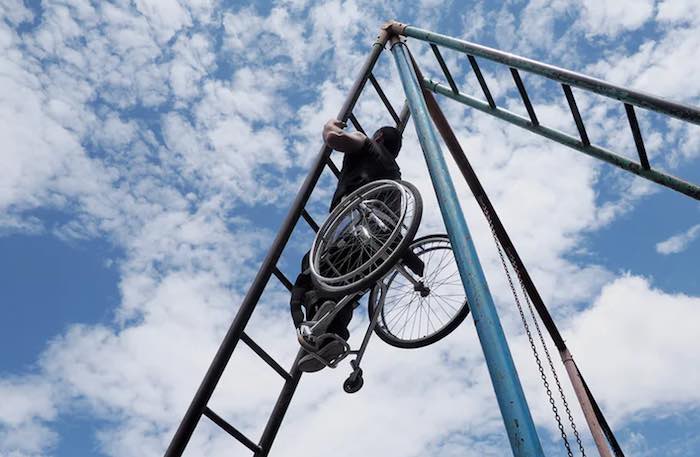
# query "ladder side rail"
(599, 152)
(634, 97)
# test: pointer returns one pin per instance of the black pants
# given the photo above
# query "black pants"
(340, 323)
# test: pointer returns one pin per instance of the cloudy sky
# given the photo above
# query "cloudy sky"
(152, 147)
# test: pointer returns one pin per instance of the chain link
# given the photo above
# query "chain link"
(549, 358)
(545, 381)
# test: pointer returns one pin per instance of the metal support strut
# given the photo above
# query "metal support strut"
(511, 399)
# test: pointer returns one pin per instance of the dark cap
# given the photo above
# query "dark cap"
(390, 137)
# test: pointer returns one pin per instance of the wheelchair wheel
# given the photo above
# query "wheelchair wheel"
(416, 316)
(364, 236)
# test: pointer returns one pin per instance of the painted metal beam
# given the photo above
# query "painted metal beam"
(634, 97)
(598, 152)
(511, 399)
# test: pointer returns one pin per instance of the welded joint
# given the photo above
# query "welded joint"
(394, 27)
(386, 31)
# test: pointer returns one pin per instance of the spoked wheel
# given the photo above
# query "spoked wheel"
(364, 236)
(420, 311)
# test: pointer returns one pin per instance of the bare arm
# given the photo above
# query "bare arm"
(336, 138)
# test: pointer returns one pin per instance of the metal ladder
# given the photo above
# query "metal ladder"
(236, 332)
(567, 79)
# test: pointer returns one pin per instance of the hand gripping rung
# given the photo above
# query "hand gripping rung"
(524, 96)
(266, 357)
(310, 220)
(638, 141)
(577, 115)
(385, 100)
(445, 71)
(231, 430)
(482, 81)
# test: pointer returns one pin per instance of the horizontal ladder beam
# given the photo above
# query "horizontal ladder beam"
(482, 81)
(333, 167)
(637, 134)
(265, 356)
(356, 124)
(444, 68)
(524, 96)
(282, 278)
(634, 97)
(231, 430)
(577, 115)
(310, 220)
(384, 98)
(598, 152)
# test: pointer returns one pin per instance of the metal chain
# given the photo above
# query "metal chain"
(549, 358)
(531, 339)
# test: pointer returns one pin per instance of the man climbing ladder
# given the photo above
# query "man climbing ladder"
(365, 160)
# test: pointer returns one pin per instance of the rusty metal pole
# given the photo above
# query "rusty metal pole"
(585, 402)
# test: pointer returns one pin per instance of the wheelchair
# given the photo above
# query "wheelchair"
(360, 249)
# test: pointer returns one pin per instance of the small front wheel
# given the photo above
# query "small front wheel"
(354, 382)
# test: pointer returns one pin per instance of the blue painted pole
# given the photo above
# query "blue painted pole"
(511, 399)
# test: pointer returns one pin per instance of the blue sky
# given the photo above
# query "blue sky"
(151, 148)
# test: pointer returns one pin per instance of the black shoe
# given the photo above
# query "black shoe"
(310, 363)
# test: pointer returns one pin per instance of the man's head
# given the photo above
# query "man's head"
(390, 137)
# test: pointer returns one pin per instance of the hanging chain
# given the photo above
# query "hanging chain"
(549, 358)
(552, 402)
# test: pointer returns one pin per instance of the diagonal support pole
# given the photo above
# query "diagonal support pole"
(599, 428)
(509, 393)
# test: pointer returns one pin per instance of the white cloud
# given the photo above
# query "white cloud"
(162, 187)
(632, 346)
(610, 18)
(678, 243)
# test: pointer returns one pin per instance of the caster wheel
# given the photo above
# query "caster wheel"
(354, 382)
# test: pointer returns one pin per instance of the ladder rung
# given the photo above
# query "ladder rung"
(524, 96)
(482, 81)
(333, 168)
(356, 123)
(231, 430)
(382, 95)
(265, 356)
(310, 220)
(283, 279)
(638, 141)
(446, 72)
(577, 115)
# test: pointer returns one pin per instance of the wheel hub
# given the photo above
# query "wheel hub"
(422, 289)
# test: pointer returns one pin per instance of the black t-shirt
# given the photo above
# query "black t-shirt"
(370, 163)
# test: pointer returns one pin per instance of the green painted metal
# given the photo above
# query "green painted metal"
(638, 98)
(598, 152)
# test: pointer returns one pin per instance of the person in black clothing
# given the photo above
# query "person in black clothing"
(365, 160)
